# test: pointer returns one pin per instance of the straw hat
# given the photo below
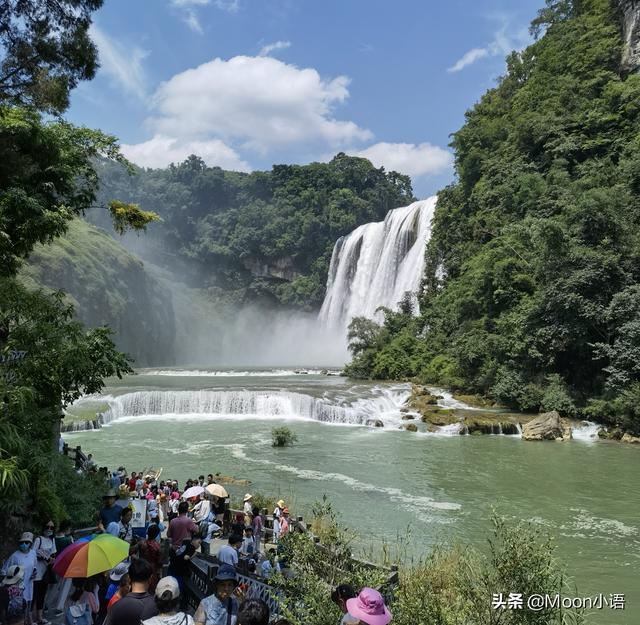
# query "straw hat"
(27, 536)
(280, 503)
(247, 497)
(13, 576)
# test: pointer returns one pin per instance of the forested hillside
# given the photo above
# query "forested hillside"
(532, 293)
(259, 236)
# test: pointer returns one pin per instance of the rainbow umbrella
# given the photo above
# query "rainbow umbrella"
(90, 556)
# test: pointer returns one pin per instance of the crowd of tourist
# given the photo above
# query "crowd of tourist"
(148, 587)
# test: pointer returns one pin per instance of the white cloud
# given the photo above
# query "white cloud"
(468, 58)
(122, 64)
(270, 47)
(225, 5)
(408, 158)
(501, 45)
(191, 20)
(163, 150)
(259, 101)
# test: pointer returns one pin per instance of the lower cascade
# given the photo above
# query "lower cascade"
(377, 264)
(264, 404)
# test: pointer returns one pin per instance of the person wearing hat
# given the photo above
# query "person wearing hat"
(340, 595)
(11, 591)
(248, 509)
(284, 522)
(369, 608)
(167, 598)
(110, 511)
(220, 608)
(138, 604)
(277, 512)
(24, 557)
(118, 583)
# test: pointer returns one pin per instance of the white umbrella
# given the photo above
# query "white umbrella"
(194, 491)
(217, 490)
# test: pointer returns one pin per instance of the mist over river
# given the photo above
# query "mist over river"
(386, 483)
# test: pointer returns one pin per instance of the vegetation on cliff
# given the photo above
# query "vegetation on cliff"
(265, 235)
(532, 284)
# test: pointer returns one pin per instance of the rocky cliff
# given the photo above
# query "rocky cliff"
(631, 34)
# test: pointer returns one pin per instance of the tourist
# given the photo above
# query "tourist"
(201, 509)
(201, 480)
(179, 561)
(132, 482)
(149, 549)
(116, 583)
(248, 547)
(81, 605)
(220, 608)
(269, 565)
(181, 527)
(89, 463)
(369, 608)
(138, 604)
(253, 612)
(156, 522)
(277, 512)
(248, 508)
(163, 507)
(114, 480)
(276, 530)
(122, 590)
(257, 524)
(340, 595)
(167, 598)
(210, 479)
(207, 536)
(12, 595)
(45, 549)
(139, 483)
(110, 511)
(62, 587)
(125, 530)
(284, 523)
(229, 553)
(63, 536)
(237, 527)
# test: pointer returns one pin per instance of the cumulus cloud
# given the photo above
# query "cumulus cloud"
(259, 101)
(122, 64)
(162, 150)
(501, 45)
(408, 158)
(271, 47)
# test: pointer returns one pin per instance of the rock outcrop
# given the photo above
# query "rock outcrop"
(631, 34)
(547, 426)
(629, 438)
(410, 427)
(376, 423)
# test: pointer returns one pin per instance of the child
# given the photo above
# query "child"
(248, 547)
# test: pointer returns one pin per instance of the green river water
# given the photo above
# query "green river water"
(385, 482)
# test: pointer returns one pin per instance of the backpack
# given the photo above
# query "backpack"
(78, 614)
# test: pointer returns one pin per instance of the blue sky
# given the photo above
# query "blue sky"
(250, 83)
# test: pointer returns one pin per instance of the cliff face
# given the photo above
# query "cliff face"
(108, 285)
(631, 34)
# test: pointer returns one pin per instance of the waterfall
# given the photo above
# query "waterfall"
(377, 263)
(385, 405)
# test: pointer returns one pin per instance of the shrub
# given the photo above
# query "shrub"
(282, 437)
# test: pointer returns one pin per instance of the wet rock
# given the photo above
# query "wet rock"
(614, 434)
(629, 438)
(547, 426)
(376, 423)
(410, 427)
(408, 417)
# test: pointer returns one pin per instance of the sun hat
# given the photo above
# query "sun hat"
(225, 573)
(280, 503)
(119, 571)
(369, 607)
(110, 493)
(27, 536)
(168, 584)
(13, 576)
(247, 497)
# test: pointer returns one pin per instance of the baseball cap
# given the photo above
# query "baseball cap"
(168, 585)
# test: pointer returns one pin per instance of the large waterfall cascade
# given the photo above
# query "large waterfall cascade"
(377, 263)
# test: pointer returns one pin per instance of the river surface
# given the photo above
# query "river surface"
(396, 487)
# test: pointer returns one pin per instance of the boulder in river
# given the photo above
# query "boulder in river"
(408, 417)
(410, 427)
(629, 438)
(376, 423)
(548, 426)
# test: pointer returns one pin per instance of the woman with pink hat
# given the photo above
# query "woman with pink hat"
(369, 607)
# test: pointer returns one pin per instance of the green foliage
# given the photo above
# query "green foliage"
(46, 51)
(268, 235)
(130, 217)
(282, 436)
(531, 274)
(47, 177)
